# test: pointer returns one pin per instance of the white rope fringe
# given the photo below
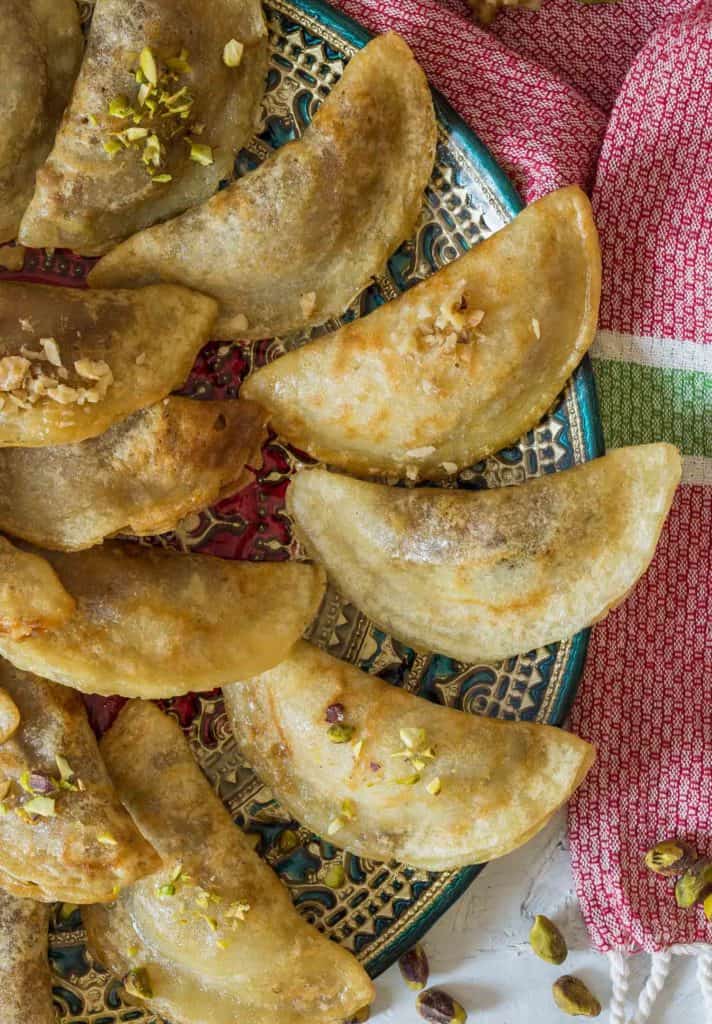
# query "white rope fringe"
(660, 964)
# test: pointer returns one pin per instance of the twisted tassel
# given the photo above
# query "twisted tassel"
(659, 970)
(620, 979)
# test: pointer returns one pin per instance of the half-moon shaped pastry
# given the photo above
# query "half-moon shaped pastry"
(213, 938)
(40, 50)
(72, 362)
(152, 622)
(398, 777)
(157, 115)
(25, 979)
(141, 477)
(31, 596)
(458, 366)
(482, 575)
(63, 832)
(294, 241)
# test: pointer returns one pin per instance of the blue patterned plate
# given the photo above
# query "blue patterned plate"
(382, 908)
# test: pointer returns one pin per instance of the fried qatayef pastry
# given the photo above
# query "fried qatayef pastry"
(294, 241)
(153, 622)
(213, 938)
(31, 596)
(106, 177)
(458, 366)
(64, 834)
(40, 50)
(141, 477)
(399, 778)
(72, 362)
(25, 979)
(482, 575)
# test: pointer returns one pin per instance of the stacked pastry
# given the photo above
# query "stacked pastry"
(93, 443)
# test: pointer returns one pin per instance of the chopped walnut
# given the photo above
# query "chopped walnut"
(13, 370)
(92, 370)
(51, 351)
(63, 394)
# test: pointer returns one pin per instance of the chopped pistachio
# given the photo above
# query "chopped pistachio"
(434, 787)
(232, 53)
(413, 739)
(66, 910)
(42, 805)
(348, 808)
(165, 890)
(24, 781)
(176, 874)
(200, 153)
(221, 944)
(106, 839)
(357, 748)
(236, 912)
(210, 921)
(132, 951)
(120, 107)
(161, 179)
(340, 733)
(41, 784)
(135, 134)
(335, 825)
(64, 768)
(180, 63)
(536, 328)
(408, 780)
(147, 63)
(111, 146)
(4, 809)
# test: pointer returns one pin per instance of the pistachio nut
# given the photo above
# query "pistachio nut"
(414, 967)
(694, 885)
(707, 906)
(335, 876)
(670, 857)
(547, 941)
(340, 733)
(437, 1007)
(574, 997)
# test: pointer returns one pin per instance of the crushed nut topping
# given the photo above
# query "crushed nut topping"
(536, 327)
(232, 53)
(37, 374)
(307, 303)
(13, 370)
(347, 814)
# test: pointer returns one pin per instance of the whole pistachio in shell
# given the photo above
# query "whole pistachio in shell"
(438, 1007)
(574, 997)
(694, 885)
(547, 941)
(670, 857)
(414, 967)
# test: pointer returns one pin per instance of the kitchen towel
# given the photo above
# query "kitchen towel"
(618, 98)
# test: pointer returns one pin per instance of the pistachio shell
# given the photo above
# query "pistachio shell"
(574, 997)
(694, 885)
(670, 857)
(414, 967)
(547, 941)
(438, 1007)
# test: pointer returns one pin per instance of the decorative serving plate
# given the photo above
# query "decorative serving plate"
(383, 908)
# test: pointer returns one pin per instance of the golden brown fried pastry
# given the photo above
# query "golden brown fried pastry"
(394, 776)
(294, 241)
(213, 938)
(72, 362)
(482, 575)
(25, 980)
(63, 833)
(152, 622)
(458, 366)
(31, 596)
(40, 49)
(106, 177)
(142, 476)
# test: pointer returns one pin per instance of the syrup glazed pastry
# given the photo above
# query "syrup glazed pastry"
(213, 938)
(72, 362)
(394, 776)
(63, 834)
(483, 575)
(456, 367)
(31, 597)
(167, 94)
(25, 980)
(141, 477)
(294, 241)
(152, 622)
(40, 50)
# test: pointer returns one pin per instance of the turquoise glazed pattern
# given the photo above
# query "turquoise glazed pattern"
(382, 908)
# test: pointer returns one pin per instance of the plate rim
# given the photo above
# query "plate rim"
(592, 436)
